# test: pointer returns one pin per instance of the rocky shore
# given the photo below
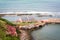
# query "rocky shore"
(31, 26)
(26, 30)
(25, 35)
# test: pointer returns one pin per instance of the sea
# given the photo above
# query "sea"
(24, 17)
(48, 32)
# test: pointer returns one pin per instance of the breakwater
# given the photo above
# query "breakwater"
(26, 30)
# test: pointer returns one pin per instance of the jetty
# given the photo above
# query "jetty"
(53, 20)
(27, 29)
(31, 27)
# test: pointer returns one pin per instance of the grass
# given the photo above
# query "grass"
(8, 22)
(25, 23)
(3, 28)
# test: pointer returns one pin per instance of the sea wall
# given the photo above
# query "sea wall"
(26, 31)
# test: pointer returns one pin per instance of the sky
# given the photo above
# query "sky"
(30, 5)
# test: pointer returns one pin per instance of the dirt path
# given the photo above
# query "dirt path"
(25, 35)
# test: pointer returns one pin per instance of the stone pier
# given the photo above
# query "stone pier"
(26, 31)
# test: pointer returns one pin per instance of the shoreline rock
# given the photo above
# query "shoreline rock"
(25, 35)
(26, 32)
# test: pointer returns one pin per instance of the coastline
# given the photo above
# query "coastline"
(27, 34)
(27, 29)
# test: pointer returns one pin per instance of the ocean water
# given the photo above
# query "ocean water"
(24, 17)
(29, 5)
(48, 32)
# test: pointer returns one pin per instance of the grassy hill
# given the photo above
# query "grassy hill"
(3, 28)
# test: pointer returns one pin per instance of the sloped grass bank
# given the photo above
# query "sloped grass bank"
(8, 22)
(3, 30)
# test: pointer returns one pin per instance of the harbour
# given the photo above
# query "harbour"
(28, 31)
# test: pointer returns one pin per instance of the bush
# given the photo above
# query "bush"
(2, 24)
(3, 32)
(10, 38)
(3, 28)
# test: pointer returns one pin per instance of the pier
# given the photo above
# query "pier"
(53, 20)
(32, 27)
(14, 14)
(27, 29)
